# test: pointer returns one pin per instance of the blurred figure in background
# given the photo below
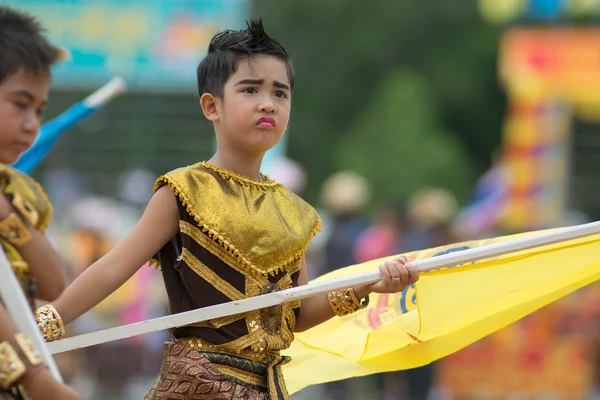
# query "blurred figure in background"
(430, 213)
(26, 59)
(383, 238)
(289, 173)
(344, 196)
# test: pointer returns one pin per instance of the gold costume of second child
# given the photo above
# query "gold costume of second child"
(31, 203)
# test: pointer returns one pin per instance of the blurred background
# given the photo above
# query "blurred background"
(414, 124)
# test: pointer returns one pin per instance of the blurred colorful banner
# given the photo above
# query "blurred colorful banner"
(556, 63)
(507, 11)
(550, 75)
(154, 45)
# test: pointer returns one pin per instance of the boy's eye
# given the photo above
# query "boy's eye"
(281, 94)
(22, 106)
(250, 90)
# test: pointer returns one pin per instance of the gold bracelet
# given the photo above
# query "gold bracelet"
(50, 323)
(28, 349)
(344, 302)
(12, 368)
(14, 230)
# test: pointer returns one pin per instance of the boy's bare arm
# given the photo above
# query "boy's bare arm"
(45, 264)
(37, 380)
(314, 310)
(157, 226)
(43, 261)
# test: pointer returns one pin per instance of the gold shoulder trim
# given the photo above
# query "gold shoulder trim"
(225, 242)
(153, 262)
(40, 197)
(266, 183)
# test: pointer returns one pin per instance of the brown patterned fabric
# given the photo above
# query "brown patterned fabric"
(188, 375)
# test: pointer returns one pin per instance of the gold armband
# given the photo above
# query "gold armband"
(14, 230)
(50, 323)
(28, 349)
(344, 302)
(12, 368)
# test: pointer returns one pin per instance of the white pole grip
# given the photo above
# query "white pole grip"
(106, 93)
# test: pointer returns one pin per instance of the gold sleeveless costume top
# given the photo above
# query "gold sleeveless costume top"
(30, 200)
(238, 238)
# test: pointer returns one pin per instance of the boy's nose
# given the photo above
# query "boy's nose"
(31, 125)
(267, 107)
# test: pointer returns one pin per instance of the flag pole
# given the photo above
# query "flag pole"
(52, 130)
(312, 289)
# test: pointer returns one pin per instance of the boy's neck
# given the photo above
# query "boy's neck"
(248, 166)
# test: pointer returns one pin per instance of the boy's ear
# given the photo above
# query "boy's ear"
(210, 106)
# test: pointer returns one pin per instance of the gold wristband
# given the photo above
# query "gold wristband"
(344, 302)
(28, 349)
(12, 368)
(14, 230)
(50, 323)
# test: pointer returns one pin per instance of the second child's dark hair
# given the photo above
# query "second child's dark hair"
(22, 44)
(228, 48)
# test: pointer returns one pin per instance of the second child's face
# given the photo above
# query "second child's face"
(255, 108)
(23, 97)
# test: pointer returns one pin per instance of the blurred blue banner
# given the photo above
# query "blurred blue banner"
(152, 44)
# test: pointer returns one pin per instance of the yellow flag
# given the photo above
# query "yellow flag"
(446, 311)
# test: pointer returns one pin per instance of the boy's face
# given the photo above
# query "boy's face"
(23, 97)
(255, 109)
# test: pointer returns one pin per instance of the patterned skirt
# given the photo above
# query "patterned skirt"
(187, 374)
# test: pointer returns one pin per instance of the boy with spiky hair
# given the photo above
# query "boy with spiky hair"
(222, 231)
(25, 60)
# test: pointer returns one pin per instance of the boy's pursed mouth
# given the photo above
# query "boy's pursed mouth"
(24, 145)
(266, 122)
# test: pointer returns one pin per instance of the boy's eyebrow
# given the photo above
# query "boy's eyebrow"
(250, 82)
(25, 93)
(260, 82)
(281, 85)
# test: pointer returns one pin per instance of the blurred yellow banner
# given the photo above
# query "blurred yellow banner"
(446, 311)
